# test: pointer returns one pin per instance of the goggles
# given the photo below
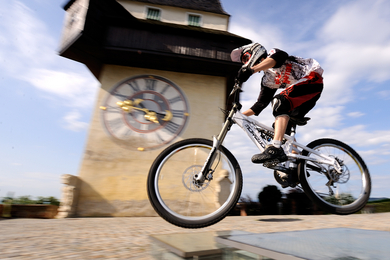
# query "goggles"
(245, 57)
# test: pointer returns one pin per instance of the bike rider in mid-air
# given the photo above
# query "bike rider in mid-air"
(302, 83)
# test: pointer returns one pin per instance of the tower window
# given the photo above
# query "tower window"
(153, 14)
(194, 20)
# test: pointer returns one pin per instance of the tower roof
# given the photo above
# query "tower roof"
(213, 6)
(112, 35)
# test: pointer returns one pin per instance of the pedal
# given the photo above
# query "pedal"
(270, 164)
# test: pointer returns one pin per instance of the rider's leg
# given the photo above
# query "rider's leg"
(281, 123)
(275, 152)
(302, 95)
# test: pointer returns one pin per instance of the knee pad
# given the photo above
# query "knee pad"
(280, 106)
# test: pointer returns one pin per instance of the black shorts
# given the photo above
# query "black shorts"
(298, 99)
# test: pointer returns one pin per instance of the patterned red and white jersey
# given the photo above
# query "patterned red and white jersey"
(288, 70)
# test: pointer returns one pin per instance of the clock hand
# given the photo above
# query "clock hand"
(151, 116)
(168, 115)
(129, 105)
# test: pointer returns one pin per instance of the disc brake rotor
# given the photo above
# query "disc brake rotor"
(189, 181)
(342, 177)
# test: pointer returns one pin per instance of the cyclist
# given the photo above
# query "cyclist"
(302, 82)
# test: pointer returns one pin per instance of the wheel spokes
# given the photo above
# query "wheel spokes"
(191, 199)
(333, 187)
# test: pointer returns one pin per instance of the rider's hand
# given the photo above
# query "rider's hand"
(244, 74)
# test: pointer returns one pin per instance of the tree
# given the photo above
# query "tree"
(48, 200)
(269, 198)
(341, 199)
(26, 200)
(299, 202)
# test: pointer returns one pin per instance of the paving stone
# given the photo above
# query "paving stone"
(128, 238)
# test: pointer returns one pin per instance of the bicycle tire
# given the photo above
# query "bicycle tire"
(351, 189)
(176, 198)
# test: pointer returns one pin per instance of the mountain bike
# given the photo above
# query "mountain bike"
(196, 182)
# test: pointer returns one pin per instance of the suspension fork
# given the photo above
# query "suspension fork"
(217, 141)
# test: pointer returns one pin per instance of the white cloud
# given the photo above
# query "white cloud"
(269, 35)
(25, 41)
(72, 121)
(361, 22)
(377, 156)
(355, 114)
(75, 89)
(28, 53)
(354, 45)
(358, 135)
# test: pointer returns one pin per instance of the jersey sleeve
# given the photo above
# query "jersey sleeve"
(265, 97)
(279, 56)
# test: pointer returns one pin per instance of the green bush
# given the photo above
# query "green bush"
(25, 200)
(380, 207)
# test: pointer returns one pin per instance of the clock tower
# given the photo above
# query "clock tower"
(164, 69)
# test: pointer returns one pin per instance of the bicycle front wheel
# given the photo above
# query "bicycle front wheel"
(338, 193)
(175, 195)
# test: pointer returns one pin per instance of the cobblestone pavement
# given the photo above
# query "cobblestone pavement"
(128, 238)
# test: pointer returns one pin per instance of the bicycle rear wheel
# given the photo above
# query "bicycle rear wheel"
(175, 195)
(336, 193)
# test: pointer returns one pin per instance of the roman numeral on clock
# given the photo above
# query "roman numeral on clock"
(165, 89)
(119, 95)
(177, 113)
(134, 86)
(150, 84)
(159, 139)
(175, 99)
(172, 127)
(115, 124)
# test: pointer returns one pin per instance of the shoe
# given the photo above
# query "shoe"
(271, 153)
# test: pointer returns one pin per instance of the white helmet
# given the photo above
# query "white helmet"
(249, 55)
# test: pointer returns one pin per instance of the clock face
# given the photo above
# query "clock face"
(145, 112)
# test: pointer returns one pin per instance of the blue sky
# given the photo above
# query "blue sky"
(46, 100)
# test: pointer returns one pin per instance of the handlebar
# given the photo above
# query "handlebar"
(237, 86)
(236, 93)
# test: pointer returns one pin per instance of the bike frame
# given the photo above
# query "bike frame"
(249, 126)
(254, 131)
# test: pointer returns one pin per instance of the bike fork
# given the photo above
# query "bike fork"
(206, 171)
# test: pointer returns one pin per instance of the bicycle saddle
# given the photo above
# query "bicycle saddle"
(299, 121)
